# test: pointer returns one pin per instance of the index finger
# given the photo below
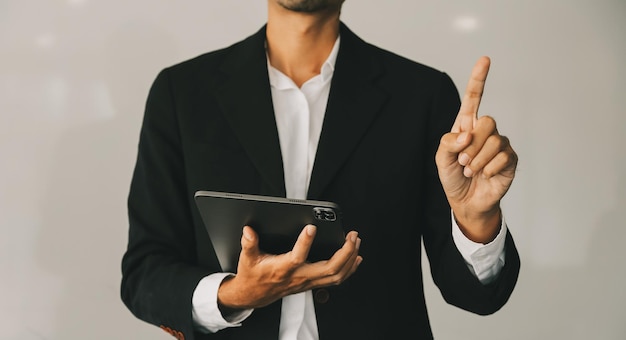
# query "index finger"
(468, 113)
(300, 250)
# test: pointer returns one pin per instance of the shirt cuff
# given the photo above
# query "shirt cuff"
(485, 261)
(206, 314)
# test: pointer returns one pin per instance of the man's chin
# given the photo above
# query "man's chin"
(309, 6)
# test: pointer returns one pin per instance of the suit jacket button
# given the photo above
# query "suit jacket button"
(321, 296)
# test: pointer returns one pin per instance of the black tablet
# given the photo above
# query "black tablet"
(278, 222)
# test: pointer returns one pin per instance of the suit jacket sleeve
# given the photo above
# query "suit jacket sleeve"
(457, 284)
(158, 272)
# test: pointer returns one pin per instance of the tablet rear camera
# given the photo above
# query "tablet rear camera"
(324, 214)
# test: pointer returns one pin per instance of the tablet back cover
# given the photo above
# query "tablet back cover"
(277, 221)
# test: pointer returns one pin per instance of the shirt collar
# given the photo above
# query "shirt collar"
(328, 68)
(280, 81)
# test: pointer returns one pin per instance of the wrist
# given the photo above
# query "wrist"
(227, 297)
(479, 227)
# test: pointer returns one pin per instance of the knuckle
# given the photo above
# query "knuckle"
(488, 122)
(488, 119)
(336, 279)
(506, 141)
(501, 159)
(511, 159)
(332, 272)
(246, 246)
(488, 172)
(497, 142)
(445, 139)
(474, 94)
(504, 158)
(294, 260)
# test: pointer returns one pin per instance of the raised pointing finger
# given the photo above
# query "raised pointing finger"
(468, 113)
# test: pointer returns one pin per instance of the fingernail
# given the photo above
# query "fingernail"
(358, 243)
(247, 234)
(467, 172)
(354, 237)
(464, 159)
(310, 230)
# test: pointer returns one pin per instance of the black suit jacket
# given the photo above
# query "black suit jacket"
(209, 125)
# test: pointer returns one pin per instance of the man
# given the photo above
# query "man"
(305, 109)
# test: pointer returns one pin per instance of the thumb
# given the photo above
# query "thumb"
(249, 242)
(450, 146)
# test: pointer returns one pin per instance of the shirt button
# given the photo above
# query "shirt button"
(321, 296)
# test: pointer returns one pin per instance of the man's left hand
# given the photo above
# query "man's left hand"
(476, 164)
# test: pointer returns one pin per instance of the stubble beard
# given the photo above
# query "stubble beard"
(309, 6)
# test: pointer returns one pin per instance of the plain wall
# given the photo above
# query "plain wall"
(74, 75)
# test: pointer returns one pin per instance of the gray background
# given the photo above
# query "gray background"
(74, 75)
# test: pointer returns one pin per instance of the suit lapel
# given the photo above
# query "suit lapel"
(245, 97)
(353, 104)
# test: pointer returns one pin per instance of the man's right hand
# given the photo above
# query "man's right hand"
(264, 278)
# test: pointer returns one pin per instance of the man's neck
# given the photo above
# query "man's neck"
(299, 43)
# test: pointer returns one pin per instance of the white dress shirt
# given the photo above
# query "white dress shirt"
(299, 115)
